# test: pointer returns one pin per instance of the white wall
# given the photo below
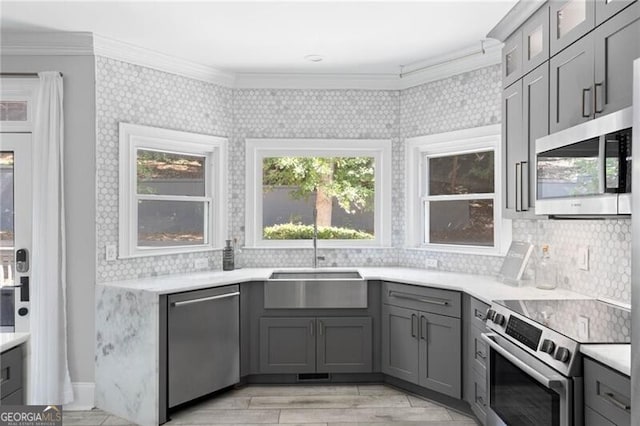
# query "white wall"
(79, 185)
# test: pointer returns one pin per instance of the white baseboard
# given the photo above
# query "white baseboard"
(83, 397)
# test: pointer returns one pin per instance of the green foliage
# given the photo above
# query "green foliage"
(351, 180)
(297, 231)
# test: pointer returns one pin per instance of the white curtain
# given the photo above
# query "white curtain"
(49, 381)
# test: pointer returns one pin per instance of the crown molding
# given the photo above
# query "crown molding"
(119, 50)
(317, 81)
(514, 18)
(84, 43)
(47, 43)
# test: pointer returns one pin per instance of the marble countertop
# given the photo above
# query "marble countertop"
(481, 287)
(617, 357)
(11, 340)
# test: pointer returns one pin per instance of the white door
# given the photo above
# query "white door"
(15, 221)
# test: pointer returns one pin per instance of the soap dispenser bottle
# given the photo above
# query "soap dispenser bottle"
(228, 257)
(546, 271)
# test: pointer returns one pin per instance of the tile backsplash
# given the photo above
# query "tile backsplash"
(135, 94)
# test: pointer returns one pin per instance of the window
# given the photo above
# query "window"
(344, 184)
(452, 184)
(172, 187)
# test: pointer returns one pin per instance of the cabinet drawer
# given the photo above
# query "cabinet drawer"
(479, 396)
(607, 392)
(11, 371)
(592, 418)
(444, 302)
(478, 353)
(478, 313)
(13, 399)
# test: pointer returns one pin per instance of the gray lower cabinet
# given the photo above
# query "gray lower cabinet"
(344, 345)
(422, 348)
(571, 85)
(11, 377)
(440, 353)
(287, 345)
(607, 394)
(617, 45)
(475, 356)
(308, 345)
(400, 343)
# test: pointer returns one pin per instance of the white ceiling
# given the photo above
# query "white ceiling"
(274, 37)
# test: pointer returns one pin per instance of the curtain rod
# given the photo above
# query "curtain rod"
(21, 74)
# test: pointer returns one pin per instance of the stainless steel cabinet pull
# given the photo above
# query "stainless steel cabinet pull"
(311, 327)
(595, 98)
(423, 328)
(518, 187)
(418, 299)
(206, 299)
(481, 355)
(524, 186)
(588, 114)
(320, 325)
(612, 399)
(413, 328)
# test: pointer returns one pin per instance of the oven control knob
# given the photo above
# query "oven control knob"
(499, 319)
(548, 346)
(490, 314)
(562, 354)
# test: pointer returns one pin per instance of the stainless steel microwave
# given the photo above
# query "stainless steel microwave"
(586, 170)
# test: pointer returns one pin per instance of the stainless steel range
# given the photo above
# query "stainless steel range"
(535, 367)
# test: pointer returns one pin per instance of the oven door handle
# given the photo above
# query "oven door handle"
(535, 374)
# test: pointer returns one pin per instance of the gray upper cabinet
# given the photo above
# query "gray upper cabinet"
(400, 343)
(512, 59)
(344, 345)
(569, 21)
(535, 120)
(535, 40)
(513, 148)
(605, 9)
(440, 354)
(617, 45)
(571, 85)
(287, 345)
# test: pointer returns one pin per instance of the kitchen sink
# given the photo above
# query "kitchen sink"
(316, 275)
(315, 290)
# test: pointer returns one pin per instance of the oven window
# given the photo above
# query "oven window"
(570, 171)
(518, 399)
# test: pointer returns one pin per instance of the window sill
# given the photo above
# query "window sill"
(167, 252)
(458, 250)
(321, 246)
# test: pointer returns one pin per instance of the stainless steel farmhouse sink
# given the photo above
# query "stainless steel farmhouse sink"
(315, 290)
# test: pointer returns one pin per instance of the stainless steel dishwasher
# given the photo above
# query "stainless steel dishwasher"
(203, 342)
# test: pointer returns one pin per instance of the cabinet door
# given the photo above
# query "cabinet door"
(512, 59)
(400, 343)
(344, 345)
(570, 20)
(535, 113)
(287, 345)
(617, 45)
(440, 348)
(605, 9)
(593, 418)
(535, 40)
(513, 148)
(571, 85)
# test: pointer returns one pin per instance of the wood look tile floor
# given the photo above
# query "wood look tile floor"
(339, 405)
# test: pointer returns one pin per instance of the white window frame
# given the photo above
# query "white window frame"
(134, 137)
(418, 151)
(258, 149)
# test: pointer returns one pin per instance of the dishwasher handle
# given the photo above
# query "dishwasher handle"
(206, 299)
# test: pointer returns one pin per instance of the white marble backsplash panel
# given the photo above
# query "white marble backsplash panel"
(126, 360)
